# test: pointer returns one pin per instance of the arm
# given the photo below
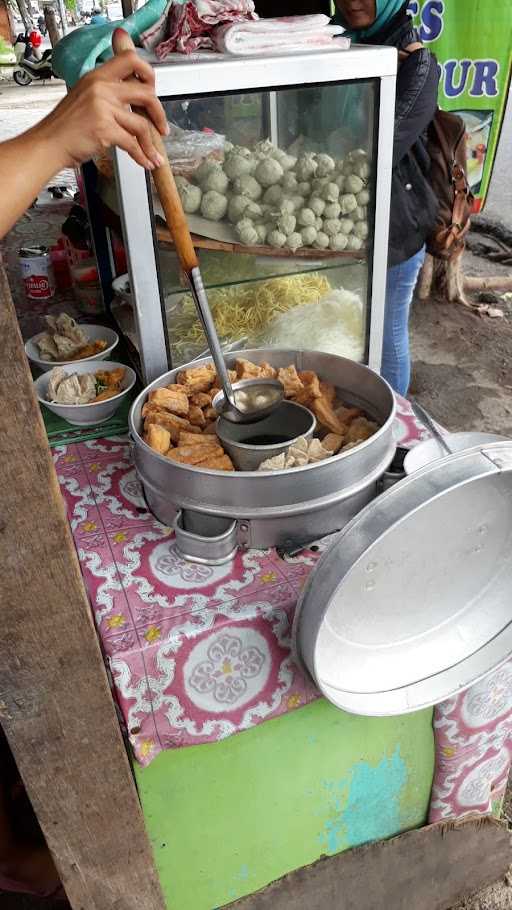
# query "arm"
(92, 117)
(416, 99)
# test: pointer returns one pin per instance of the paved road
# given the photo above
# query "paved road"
(23, 106)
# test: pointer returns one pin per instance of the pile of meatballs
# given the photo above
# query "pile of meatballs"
(276, 199)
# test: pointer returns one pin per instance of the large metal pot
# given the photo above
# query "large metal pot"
(278, 508)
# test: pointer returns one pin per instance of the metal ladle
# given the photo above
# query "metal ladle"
(248, 400)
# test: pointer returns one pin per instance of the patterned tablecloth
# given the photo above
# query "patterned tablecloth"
(198, 653)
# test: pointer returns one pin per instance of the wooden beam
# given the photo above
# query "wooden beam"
(430, 868)
(55, 703)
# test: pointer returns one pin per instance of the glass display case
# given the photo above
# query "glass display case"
(284, 168)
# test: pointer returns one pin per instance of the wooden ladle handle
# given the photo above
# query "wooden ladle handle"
(164, 179)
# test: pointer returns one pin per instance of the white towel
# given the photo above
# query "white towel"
(287, 33)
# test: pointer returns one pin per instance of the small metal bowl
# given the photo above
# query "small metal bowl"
(287, 423)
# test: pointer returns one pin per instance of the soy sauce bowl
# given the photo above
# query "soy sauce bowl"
(248, 444)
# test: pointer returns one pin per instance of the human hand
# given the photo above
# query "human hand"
(95, 115)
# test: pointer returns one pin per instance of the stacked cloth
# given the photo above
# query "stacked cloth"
(233, 27)
(288, 34)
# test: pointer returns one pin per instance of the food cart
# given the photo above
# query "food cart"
(246, 776)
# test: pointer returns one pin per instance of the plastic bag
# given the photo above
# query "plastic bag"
(186, 149)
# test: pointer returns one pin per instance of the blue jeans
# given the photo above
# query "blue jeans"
(400, 284)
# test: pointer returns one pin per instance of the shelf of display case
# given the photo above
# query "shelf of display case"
(220, 246)
(247, 263)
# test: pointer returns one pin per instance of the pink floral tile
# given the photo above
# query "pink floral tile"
(211, 674)
(97, 449)
(118, 494)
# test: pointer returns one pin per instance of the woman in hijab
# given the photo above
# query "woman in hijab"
(413, 203)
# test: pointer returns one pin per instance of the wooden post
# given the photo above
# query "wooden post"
(55, 703)
(51, 24)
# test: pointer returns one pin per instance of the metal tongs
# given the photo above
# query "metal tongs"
(246, 401)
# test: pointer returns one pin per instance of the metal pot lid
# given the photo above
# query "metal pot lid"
(413, 601)
(430, 449)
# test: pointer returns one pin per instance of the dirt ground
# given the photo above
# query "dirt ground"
(462, 362)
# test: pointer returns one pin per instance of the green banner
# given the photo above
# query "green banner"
(472, 40)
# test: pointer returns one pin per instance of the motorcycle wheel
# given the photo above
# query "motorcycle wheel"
(21, 77)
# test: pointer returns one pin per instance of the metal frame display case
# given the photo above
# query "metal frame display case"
(279, 83)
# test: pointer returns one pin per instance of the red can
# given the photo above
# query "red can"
(37, 273)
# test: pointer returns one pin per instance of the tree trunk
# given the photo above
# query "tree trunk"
(443, 279)
(8, 21)
(51, 24)
(62, 16)
(24, 13)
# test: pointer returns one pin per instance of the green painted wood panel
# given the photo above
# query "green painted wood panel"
(228, 818)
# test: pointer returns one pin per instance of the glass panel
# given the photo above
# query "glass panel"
(279, 190)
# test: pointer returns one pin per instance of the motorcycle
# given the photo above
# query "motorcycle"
(31, 65)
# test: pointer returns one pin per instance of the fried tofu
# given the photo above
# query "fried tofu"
(171, 422)
(324, 413)
(197, 379)
(193, 439)
(107, 393)
(89, 350)
(180, 421)
(246, 370)
(158, 438)
(347, 415)
(222, 463)
(196, 417)
(201, 399)
(311, 388)
(110, 377)
(267, 371)
(233, 376)
(291, 381)
(327, 390)
(360, 429)
(332, 442)
(193, 455)
(210, 414)
(174, 400)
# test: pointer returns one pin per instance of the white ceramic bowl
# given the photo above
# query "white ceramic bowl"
(86, 415)
(93, 332)
(430, 450)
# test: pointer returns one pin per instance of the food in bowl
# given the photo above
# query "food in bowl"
(180, 420)
(84, 388)
(65, 341)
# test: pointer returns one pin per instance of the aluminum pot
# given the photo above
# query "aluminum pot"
(271, 508)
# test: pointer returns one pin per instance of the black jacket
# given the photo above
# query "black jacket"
(413, 203)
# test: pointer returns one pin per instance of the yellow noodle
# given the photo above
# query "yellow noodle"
(242, 311)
